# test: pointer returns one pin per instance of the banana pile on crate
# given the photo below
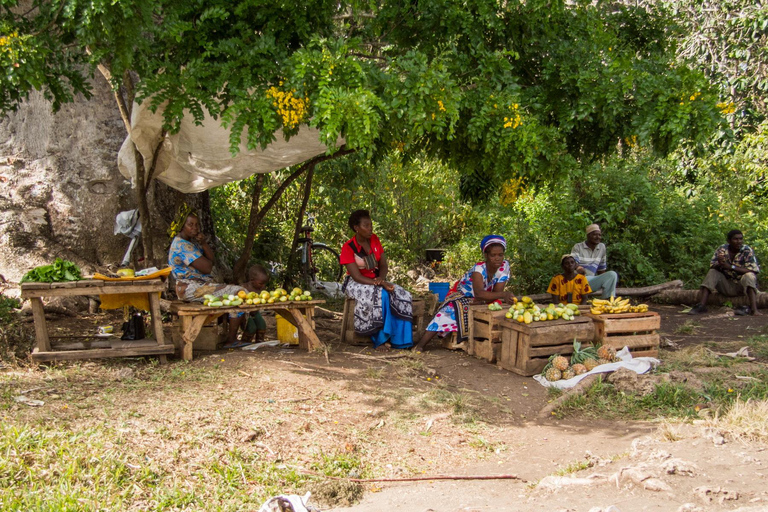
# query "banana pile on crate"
(615, 305)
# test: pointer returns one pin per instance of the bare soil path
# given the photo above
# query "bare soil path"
(440, 412)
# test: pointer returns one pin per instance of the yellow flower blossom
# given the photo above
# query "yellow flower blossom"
(291, 109)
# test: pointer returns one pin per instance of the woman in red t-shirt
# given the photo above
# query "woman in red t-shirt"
(384, 310)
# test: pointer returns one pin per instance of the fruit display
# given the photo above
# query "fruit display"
(582, 361)
(494, 306)
(616, 305)
(526, 311)
(256, 298)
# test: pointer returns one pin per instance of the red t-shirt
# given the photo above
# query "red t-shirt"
(350, 255)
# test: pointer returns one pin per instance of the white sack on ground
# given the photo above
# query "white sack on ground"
(638, 365)
(197, 157)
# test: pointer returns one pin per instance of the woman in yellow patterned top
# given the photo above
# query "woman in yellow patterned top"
(570, 286)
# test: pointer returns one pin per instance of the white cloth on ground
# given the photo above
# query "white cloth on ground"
(638, 365)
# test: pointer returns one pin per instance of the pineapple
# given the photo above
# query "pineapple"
(552, 374)
(603, 361)
(580, 355)
(590, 364)
(559, 362)
(568, 373)
(606, 352)
(579, 368)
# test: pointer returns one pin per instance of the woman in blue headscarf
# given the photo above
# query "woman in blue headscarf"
(484, 283)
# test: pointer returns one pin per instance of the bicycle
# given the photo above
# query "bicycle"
(319, 265)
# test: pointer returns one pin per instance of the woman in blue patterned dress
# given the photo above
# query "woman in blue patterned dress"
(191, 260)
(484, 283)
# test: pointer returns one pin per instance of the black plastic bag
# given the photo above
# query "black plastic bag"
(133, 329)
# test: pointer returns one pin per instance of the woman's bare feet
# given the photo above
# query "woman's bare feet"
(384, 347)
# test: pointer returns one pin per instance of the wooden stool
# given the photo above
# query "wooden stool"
(348, 334)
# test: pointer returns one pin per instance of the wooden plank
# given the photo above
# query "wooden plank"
(157, 318)
(34, 286)
(481, 330)
(86, 283)
(611, 316)
(64, 286)
(107, 289)
(41, 356)
(307, 338)
(190, 330)
(450, 343)
(117, 343)
(632, 341)
(552, 349)
(632, 325)
(646, 353)
(81, 345)
(189, 308)
(345, 334)
(485, 349)
(41, 328)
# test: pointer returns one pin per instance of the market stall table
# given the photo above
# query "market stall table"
(298, 313)
(149, 289)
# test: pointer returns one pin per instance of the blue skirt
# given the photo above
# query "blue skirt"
(397, 332)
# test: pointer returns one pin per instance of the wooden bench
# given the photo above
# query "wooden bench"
(348, 334)
(44, 351)
(193, 316)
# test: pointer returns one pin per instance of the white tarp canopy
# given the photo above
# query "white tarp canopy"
(198, 158)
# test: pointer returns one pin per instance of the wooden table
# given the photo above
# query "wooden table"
(298, 313)
(101, 348)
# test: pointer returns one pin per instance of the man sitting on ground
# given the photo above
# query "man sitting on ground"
(590, 257)
(732, 272)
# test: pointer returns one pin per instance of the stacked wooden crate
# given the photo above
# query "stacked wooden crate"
(636, 331)
(526, 348)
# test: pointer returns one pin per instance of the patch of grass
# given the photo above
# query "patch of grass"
(725, 389)
(458, 402)
(482, 444)
(553, 393)
(575, 467)
(602, 400)
(758, 346)
(669, 400)
(689, 327)
(694, 357)
(748, 420)
(411, 362)
(340, 464)
(373, 373)
(52, 468)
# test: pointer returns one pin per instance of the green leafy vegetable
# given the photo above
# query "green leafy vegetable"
(60, 270)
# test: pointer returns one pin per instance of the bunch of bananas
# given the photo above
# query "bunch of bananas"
(615, 305)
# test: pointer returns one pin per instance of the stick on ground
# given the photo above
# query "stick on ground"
(579, 389)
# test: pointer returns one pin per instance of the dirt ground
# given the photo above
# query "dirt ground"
(437, 413)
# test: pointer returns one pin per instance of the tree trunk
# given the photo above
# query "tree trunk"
(253, 222)
(647, 291)
(691, 297)
(262, 212)
(146, 218)
(292, 261)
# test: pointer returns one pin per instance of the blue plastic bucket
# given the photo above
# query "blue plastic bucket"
(441, 289)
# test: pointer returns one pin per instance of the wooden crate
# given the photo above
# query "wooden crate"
(525, 348)
(484, 336)
(210, 337)
(636, 331)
